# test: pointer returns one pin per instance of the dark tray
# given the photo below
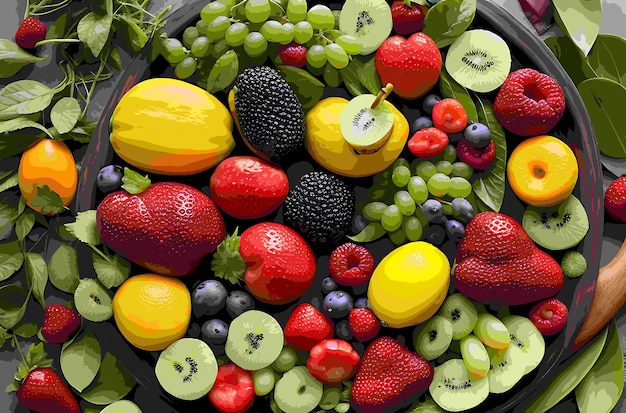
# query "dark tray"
(574, 128)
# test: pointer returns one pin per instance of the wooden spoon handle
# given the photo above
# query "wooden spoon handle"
(608, 297)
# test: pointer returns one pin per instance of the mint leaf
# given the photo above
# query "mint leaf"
(37, 276)
(49, 201)
(133, 182)
(111, 273)
(80, 361)
(85, 227)
(64, 114)
(448, 19)
(93, 30)
(63, 269)
(112, 384)
(14, 58)
(24, 97)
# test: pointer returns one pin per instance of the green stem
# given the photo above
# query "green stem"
(51, 41)
(17, 346)
(40, 238)
(100, 253)
(27, 11)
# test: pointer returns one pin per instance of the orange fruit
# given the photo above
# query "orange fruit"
(542, 171)
(152, 311)
(47, 162)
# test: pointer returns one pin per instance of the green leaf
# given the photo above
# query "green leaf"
(227, 262)
(4, 336)
(608, 57)
(13, 303)
(24, 97)
(307, 88)
(448, 19)
(451, 89)
(112, 384)
(111, 273)
(223, 72)
(137, 37)
(80, 361)
(9, 182)
(58, 28)
(582, 19)
(133, 182)
(602, 387)
(115, 59)
(85, 227)
(93, 30)
(369, 76)
(571, 58)
(26, 330)
(37, 276)
(489, 186)
(21, 122)
(14, 144)
(350, 75)
(11, 259)
(48, 200)
(63, 269)
(24, 224)
(371, 232)
(13, 58)
(64, 114)
(8, 215)
(569, 377)
(603, 99)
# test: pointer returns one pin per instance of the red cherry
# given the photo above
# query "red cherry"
(480, 159)
(449, 116)
(549, 316)
(428, 142)
(332, 361)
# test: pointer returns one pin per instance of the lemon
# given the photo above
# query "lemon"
(152, 311)
(409, 284)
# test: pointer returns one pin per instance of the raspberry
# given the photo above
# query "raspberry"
(363, 324)
(30, 31)
(549, 316)
(351, 264)
(615, 199)
(292, 54)
(428, 142)
(478, 158)
(529, 103)
(449, 116)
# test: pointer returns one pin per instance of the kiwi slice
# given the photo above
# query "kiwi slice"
(526, 337)
(122, 406)
(427, 406)
(187, 369)
(367, 20)
(255, 339)
(297, 391)
(92, 301)
(479, 60)
(366, 129)
(558, 227)
(433, 337)
(474, 356)
(573, 264)
(454, 391)
(461, 312)
(506, 368)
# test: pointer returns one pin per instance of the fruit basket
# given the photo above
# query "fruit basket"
(574, 128)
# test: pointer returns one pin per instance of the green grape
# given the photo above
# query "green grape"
(255, 44)
(332, 77)
(186, 68)
(213, 10)
(200, 47)
(462, 169)
(236, 34)
(398, 162)
(217, 28)
(418, 189)
(405, 202)
(257, 11)
(189, 36)
(263, 380)
(412, 227)
(330, 398)
(296, 10)
(374, 211)
(272, 31)
(201, 25)
(316, 56)
(287, 33)
(446, 208)
(449, 153)
(392, 218)
(321, 17)
(302, 32)
(444, 167)
(336, 56)
(286, 360)
(425, 170)
(419, 214)
(438, 184)
(228, 3)
(400, 176)
(397, 237)
(219, 48)
(173, 51)
(459, 187)
(349, 43)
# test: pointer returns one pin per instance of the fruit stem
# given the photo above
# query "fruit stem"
(17, 346)
(382, 95)
(50, 41)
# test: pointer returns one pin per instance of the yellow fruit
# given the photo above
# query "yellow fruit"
(542, 171)
(171, 127)
(409, 285)
(327, 146)
(47, 162)
(152, 311)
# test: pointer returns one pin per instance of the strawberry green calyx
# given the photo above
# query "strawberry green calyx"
(35, 358)
(227, 262)
(133, 182)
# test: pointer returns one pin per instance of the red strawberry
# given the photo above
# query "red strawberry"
(478, 158)
(428, 142)
(246, 187)
(388, 375)
(408, 17)
(233, 391)
(529, 103)
(351, 264)
(412, 65)
(549, 316)
(615, 199)
(275, 262)
(333, 361)
(293, 54)
(30, 31)
(59, 323)
(363, 324)
(168, 228)
(306, 327)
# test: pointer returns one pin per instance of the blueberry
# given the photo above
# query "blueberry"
(435, 234)
(328, 285)
(420, 123)
(429, 102)
(214, 332)
(194, 330)
(462, 210)
(109, 178)
(455, 230)
(208, 298)
(433, 211)
(342, 330)
(362, 303)
(338, 304)
(239, 302)
(478, 135)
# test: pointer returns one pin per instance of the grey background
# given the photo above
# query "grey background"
(11, 13)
